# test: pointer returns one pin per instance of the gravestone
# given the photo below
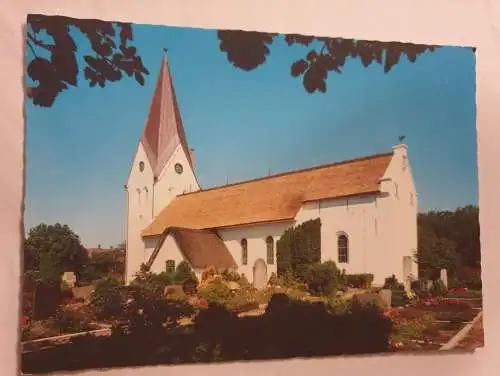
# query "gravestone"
(69, 278)
(444, 277)
(386, 296)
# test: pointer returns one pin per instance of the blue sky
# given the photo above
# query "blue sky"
(241, 124)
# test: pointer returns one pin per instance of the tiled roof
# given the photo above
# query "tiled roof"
(273, 198)
(164, 130)
(201, 248)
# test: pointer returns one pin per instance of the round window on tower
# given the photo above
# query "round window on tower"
(141, 166)
(178, 168)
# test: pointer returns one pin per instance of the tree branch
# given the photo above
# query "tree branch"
(39, 43)
(31, 48)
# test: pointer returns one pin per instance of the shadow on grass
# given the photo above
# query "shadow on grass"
(288, 329)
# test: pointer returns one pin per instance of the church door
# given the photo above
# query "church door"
(259, 274)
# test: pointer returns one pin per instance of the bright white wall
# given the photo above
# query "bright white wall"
(168, 251)
(356, 217)
(139, 210)
(381, 229)
(171, 184)
(256, 239)
(144, 206)
(401, 210)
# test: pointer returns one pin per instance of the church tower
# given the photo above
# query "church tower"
(163, 168)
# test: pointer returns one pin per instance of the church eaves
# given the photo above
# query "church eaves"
(273, 198)
(164, 131)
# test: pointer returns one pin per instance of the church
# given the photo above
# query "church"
(367, 208)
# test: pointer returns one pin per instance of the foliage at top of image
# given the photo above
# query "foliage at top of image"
(248, 50)
(114, 56)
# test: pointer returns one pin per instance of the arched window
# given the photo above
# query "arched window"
(146, 192)
(244, 251)
(139, 196)
(343, 248)
(270, 249)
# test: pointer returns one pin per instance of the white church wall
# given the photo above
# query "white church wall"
(256, 244)
(401, 206)
(168, 251)
(171, 184)
(354, 217)
(381, 229)
(139, 210)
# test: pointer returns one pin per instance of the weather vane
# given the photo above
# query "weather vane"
(165, 49)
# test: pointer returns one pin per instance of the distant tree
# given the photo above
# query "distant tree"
(54, 249)
(435, 253)
(460, 226)
(55, 65)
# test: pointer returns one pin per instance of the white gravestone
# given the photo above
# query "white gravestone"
(444, 277)
(69, 278)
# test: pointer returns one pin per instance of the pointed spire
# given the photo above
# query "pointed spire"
(164, 130)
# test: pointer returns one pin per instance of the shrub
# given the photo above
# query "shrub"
(361, 281)
(298, 248)
(184, 273)
(106, 298)
(216, 292)
(322, 278)
(152, 281)
(241, 303)
(273, 280)
(69, 321)
(393, 284)
(438, 288)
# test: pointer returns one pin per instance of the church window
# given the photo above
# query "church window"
(170, 266)
(178, 168)
(146, 194)
(343, 248)
(376, 226)
(270, 249)
(244, 252)
(396, 190)
(139, 196)
(141, 166)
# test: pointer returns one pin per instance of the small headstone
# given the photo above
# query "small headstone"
(444, 277)
(366, 299)
(386, 296)
(69, 278)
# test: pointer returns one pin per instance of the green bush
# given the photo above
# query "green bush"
(273, 280)
(321, 279)
(298, 248)
(438, 288)
(152, 281)
(106, 298)
(360, 281)
(392, 283)
(68, 321)
(216, 292)
(184, 273)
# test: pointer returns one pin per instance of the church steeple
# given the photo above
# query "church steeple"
(164, 131)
